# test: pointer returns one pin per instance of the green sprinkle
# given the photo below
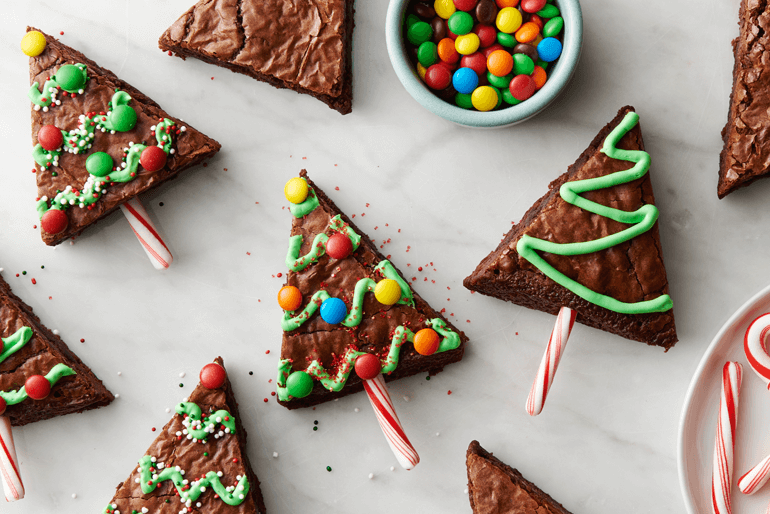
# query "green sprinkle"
(54, 174)
(251, 372)
(328, 468)
(205, 454)
(23, 272)
(315, 428)
(427, 378)
(42, 267)
(181, 384)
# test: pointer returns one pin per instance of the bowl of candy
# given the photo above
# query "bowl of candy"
(484, 63)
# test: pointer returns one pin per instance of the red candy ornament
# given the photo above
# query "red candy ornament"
(522, 87)
(50, 137)
(532, 6)
(438, 77)
(487, 35)
(212, 376)
(153, 158)
(339, 246)
(475, 61)
(54, 221)
(37, 387)
(368, 366)
(3, 405)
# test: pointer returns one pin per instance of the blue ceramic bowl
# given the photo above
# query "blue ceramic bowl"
(558, 75)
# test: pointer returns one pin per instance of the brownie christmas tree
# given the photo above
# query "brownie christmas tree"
(198, 463)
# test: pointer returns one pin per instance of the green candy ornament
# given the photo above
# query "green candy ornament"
(299, 384)
(123, 118)
(70, 78)
(99, 164)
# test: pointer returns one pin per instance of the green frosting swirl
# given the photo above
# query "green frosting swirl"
(53, 376)
(15, 342)
(52, 85)
(296, 263)
(299, 210)
(641, 220)
(198, 428)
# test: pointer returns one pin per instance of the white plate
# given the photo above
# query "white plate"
(699, 416)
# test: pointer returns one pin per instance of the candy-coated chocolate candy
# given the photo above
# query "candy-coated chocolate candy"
(467, 43)
(37, 387)
(522, 87)
(368, 366)
(54, 221)
(528, 50)
(542, 64)
(153, 158)
(499, 82)
(212, 376)
(539, 76)
(477, 62)
(553, 27)
(421, 70)
(447, 51)
(70, 78)
(465, 5)
(486, 12)
(488, 51)
(427, 53)
(99, 164)
(549, 49)
(299, 384)
(296, 190)
(33, 43)
(289, 298)
(522, 65)
(537, 20)
(419, 33)
(424, 10)
(339, 246)
(484, 98)
(387, 291)
(463, 101)
(506, 40)
(507, 3)
(532, 6)
(444, 8)
(50, 137)
(508, 20)
(440, 30)
(438, 77)
(500, 63)
(509, 98)
(426, 341)
(465, 80)
(333, 310)
(3, 405)
(527, 32)
(549, 11)
(487, 35)
(123, 118)
(411, 20)
(460, 23)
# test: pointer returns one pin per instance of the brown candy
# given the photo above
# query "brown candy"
(440, 30)
(486, 12)
(424, 11)
(528, 50)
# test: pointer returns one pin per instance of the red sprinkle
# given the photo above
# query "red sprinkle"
(449, 392)
(153, 429)
(235, 460)
(265, 400)
(34, 281)
(61, 33)
(169, 53)
(82, 340)
(267, 352)
(279, 275)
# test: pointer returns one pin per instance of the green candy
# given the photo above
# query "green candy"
(509, 98)
(460, 23)
(299, 384)
(99, 164)
(506, 39)
(411, 20)
(549, 11)
(427, 53)
(123, 118)
(553, 27)
(463, 100)
(419, 33)
(523, 64)
(70, 78)
(542, 64)
(501, 82)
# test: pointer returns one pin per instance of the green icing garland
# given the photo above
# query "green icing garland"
(642, 220)
(299, 210)
(15, 342)
(53, 376)
(73, 83)
(197, 428)
(296, 263)
(450, 340)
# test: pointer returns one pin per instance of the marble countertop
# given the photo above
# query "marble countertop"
(606, 441)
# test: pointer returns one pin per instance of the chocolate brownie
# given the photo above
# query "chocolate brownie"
(315, 340)
(746, 154)
(629, 272)
(304, 46)
(188, 147)
(29, 349)
(497, 488)
(216, 450)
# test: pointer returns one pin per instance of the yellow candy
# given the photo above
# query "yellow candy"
(444, 8)
(508, 20)
(295, 190)
(33, 43)
(467, 44)
(484, 98)
(387, 291)
(421, 70)
(536, 41)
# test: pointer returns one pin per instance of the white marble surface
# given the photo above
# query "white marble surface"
(606, 440)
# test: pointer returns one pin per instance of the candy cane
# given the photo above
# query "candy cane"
(724, 445)
(368, 367)
(147, 234)
(755, 349)
(9, 463)
(755, 478)
(556, 345)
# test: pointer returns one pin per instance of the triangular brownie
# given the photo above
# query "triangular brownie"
(333, 268)
(98, 141)
(613, 284)
(198, 463)
(29, 349)
(497, 488)
(746, 153)
(304, 46)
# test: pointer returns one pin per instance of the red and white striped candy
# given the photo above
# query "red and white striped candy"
(9, 464)
(755, 349)
(379, 397)
(722, 472)
(556, 344)
(755, 478)
(147, 234)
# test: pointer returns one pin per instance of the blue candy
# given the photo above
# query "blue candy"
(333, 311)
(549, 49)
(465, 80)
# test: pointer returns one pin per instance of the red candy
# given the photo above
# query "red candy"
(487, 34)
(489, 50)
(438, 77)
(212, 376)
(2, 406)
(153, 158)
(37, 387)
(50, 137)
(465, 5)
(522, 87)
(368, 366)
(54, 221)
(532, 6)
(339, 245)
(476, 61)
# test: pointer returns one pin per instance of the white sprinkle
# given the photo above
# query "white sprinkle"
(74, 495)
(371, 475)
(55, 332)
(145, 510)
(406, 398)
(117, 396)
(181, 375)
(356, 409)
(275, 455)
(465, 490)
(393, 468)
(438, 434)
(120, 373)
(168, 410)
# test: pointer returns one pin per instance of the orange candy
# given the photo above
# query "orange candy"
(539, 77)
(507, 3)
(500, 63)
(527, 32)
(426, 341)
(447, 51)
(289, 298)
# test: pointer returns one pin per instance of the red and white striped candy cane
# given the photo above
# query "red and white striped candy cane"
(9, 463)
(147, 234)
(724, 444)
(556, 345)
(755, 478)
